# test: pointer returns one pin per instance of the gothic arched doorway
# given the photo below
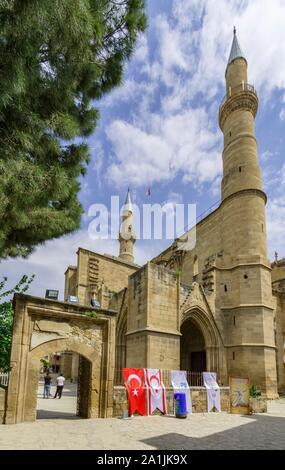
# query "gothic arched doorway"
(120, 362)
(201, 346)
(192, 348)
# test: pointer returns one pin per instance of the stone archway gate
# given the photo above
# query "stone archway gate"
(43, 326)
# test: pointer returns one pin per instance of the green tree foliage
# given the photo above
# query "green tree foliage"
(57, 57)
(6, 317)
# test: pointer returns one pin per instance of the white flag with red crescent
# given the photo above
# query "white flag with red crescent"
(155, 391)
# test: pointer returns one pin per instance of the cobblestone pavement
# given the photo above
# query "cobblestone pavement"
(198, 431)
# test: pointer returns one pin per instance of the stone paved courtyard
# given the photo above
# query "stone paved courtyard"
(59, 428)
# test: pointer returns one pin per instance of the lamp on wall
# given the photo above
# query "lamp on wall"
(95, 303)
(73, 299)
(52, 294)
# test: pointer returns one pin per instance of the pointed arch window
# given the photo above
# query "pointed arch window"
(195, 268)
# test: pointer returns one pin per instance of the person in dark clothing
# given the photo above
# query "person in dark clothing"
(59, 386)
(47, 385)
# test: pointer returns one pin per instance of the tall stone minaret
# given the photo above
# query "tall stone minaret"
(246, 275)
(127, 236)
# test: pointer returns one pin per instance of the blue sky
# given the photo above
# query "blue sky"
(160, 128)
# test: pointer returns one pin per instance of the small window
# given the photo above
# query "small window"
(245, 276)
(234, 320)
(226, 288)
(230, 134)
(239, 169)
(195, 266)
(234, 356)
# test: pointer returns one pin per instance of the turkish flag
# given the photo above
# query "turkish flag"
(134, 383)
(155, 390)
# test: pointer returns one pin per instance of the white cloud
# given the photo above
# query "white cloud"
(163, 146)
(282, 114)
(130, 90)
(190, 61)
(141, 51)
(282, 173)
(267, 155)
(171, 54)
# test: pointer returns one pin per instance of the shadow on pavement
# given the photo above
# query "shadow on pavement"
(50, 414)
(66, 392)
(264, 432)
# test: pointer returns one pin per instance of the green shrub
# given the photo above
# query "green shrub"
(254, 392)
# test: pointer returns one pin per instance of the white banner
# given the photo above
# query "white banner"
(213, 391)
(180, 384)
(155, 391)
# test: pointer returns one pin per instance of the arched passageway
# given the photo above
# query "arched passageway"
(42, 327)
(72, 369)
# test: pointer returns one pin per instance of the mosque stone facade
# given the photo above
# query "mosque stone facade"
(216, 306)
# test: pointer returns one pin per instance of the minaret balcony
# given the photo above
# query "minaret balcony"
(242, 96)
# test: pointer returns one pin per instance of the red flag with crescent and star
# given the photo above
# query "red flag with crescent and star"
(134, 383)
(156, 397)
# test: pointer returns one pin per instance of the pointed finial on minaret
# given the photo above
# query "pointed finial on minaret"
(236, 51)
(128, 202)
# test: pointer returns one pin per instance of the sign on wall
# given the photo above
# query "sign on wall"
(239, 395)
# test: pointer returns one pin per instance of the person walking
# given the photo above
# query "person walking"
(59, 386)
(47, 385)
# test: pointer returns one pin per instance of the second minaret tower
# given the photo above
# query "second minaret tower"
(127, 236)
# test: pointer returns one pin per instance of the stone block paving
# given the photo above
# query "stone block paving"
(198, 431)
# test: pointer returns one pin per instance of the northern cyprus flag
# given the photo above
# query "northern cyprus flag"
(155, 391)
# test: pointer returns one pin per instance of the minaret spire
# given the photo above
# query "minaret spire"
(127, 236)
(236, 119)
(236, 51)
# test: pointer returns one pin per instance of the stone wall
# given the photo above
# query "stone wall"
(198, 394)
(94, 269)
(2, 404)
(278, 270)
(153, 319)
(70, 281)
(280, 338)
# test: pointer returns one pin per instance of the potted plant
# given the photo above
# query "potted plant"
(257, 404)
